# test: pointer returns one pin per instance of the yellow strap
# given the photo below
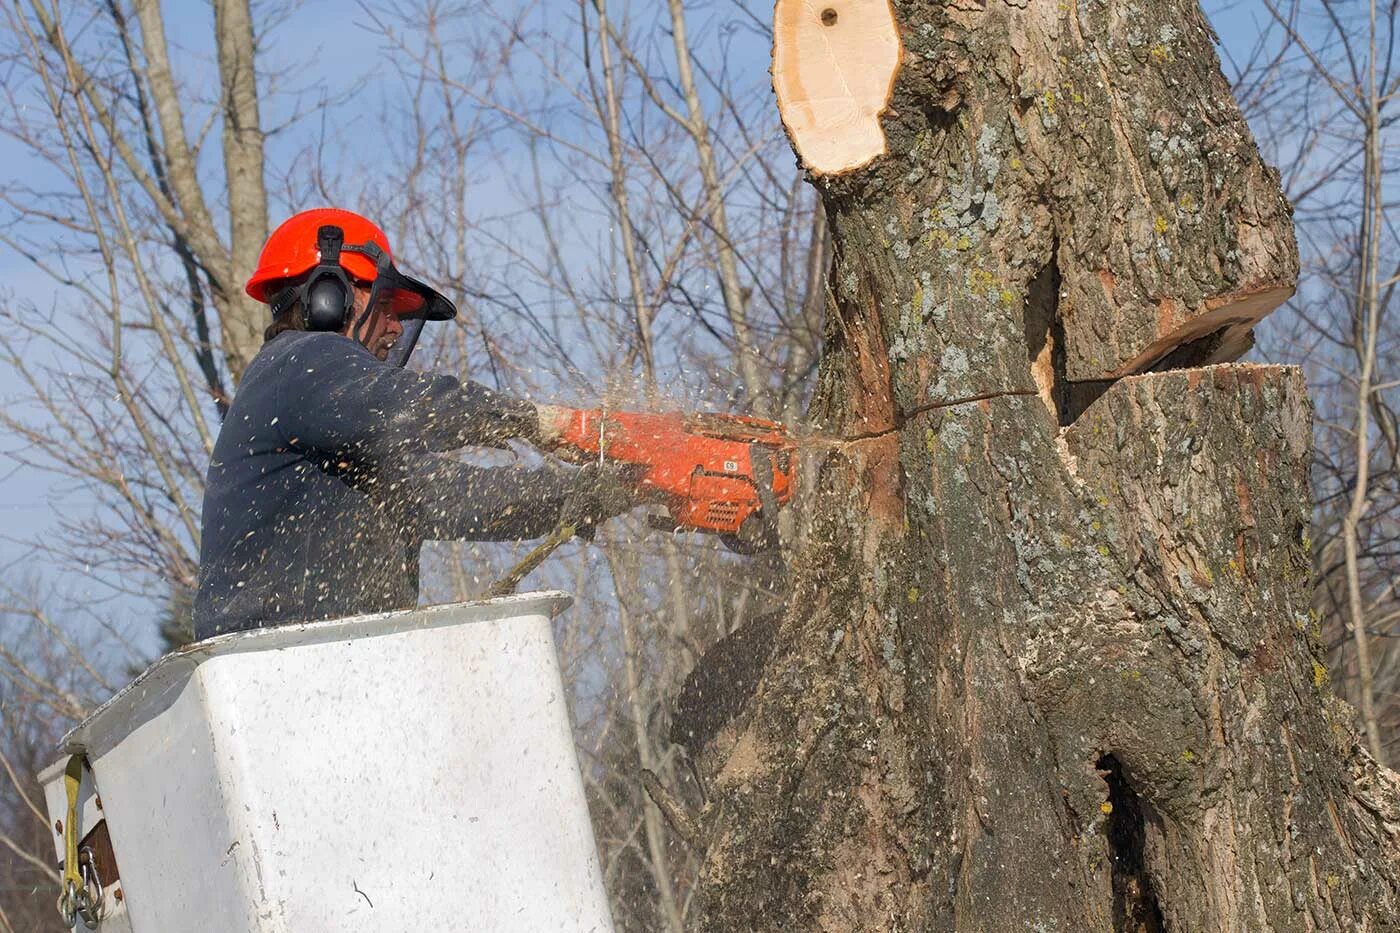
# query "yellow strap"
(507, 584)
(72, 781)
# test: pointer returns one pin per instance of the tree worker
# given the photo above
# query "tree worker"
(329, 472)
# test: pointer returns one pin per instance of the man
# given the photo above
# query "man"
(329, 473)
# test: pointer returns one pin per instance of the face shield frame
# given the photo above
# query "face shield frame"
(411, 300)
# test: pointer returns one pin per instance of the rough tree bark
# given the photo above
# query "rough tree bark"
(242, 318)
(1048, 664)
(184, 208)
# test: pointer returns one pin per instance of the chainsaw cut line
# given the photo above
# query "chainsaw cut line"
(933, 406)
(902, 417)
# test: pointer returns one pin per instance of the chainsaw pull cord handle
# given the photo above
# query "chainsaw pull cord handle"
(75, 898)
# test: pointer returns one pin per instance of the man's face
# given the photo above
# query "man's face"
(382, 328)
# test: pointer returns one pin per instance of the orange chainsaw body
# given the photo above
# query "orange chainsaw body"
(700, 467)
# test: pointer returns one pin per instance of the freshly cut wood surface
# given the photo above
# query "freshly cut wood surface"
(834, 65)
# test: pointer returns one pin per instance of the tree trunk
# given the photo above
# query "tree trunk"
(1049, 663)
(243, 318)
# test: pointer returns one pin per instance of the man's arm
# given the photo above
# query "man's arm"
(377, 425)
(446, 501)
(336, 400)
(341, 382)
(457, 414)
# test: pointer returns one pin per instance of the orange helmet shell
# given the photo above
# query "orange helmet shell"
(290, 252)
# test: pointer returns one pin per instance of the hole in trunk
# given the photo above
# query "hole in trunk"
(1135, 907)
(829, 17)
(1045, 345)
(1045, 339)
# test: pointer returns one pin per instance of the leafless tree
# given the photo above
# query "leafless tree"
(52, 673)
(605, 190)
(1319, 84)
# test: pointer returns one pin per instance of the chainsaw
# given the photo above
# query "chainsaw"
(718, 474)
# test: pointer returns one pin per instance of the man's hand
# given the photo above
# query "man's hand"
(550, 423)
(601, 491)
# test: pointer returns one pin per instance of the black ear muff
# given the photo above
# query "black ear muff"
(326, 293)
(327, 301)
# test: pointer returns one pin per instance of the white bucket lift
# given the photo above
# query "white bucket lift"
(408, 771)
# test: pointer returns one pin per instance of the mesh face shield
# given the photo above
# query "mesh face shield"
(403, 347)
(412, 301)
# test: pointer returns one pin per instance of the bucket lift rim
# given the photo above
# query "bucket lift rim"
(157, 687)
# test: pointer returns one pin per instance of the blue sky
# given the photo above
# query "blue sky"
(322, 46)
(339, 47)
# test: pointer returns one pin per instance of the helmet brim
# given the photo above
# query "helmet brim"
(413, 298)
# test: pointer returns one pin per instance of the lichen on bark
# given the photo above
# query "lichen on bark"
(1048, 663)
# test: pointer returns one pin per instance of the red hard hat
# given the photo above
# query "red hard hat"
(291, 250)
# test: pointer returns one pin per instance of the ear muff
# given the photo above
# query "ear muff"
(326, 292)
(325, 295)
(327, 300)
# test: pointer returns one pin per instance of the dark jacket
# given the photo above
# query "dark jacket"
(326, 480)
